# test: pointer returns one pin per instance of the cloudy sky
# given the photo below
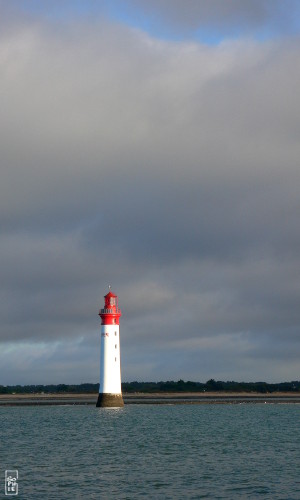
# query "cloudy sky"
(152, 145)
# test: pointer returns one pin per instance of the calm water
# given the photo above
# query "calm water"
(153, 451)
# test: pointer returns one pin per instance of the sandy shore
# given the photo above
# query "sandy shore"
(153, 398)
(214, 394)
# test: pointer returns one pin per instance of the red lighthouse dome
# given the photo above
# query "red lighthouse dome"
(111, 313)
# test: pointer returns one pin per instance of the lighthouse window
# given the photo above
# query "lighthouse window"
(116, 345)
(115, 334)
(114, 320)
(115, 359)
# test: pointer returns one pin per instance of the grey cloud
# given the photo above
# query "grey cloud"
(223, 17)
(167, 170)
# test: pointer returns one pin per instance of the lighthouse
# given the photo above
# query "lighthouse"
(110, 392)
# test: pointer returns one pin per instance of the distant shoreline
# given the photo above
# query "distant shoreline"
(156, 394)
(177, 398)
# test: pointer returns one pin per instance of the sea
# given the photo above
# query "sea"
(169, 451)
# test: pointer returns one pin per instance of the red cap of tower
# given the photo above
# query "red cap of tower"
(111, 313)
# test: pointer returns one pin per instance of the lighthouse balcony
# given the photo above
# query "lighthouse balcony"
(109, 311)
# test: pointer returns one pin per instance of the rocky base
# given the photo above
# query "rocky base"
(110, 401)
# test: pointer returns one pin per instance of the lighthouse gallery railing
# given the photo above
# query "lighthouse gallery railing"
(109, 311)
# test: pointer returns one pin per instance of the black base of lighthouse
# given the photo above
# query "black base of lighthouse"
(110, 401)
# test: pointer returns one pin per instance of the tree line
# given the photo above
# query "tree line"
(151, 387)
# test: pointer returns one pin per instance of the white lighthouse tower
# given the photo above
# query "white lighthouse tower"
(110, 392)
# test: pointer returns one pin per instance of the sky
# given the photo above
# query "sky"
(152, 146)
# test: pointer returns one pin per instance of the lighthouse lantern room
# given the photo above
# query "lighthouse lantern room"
(110, 392)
